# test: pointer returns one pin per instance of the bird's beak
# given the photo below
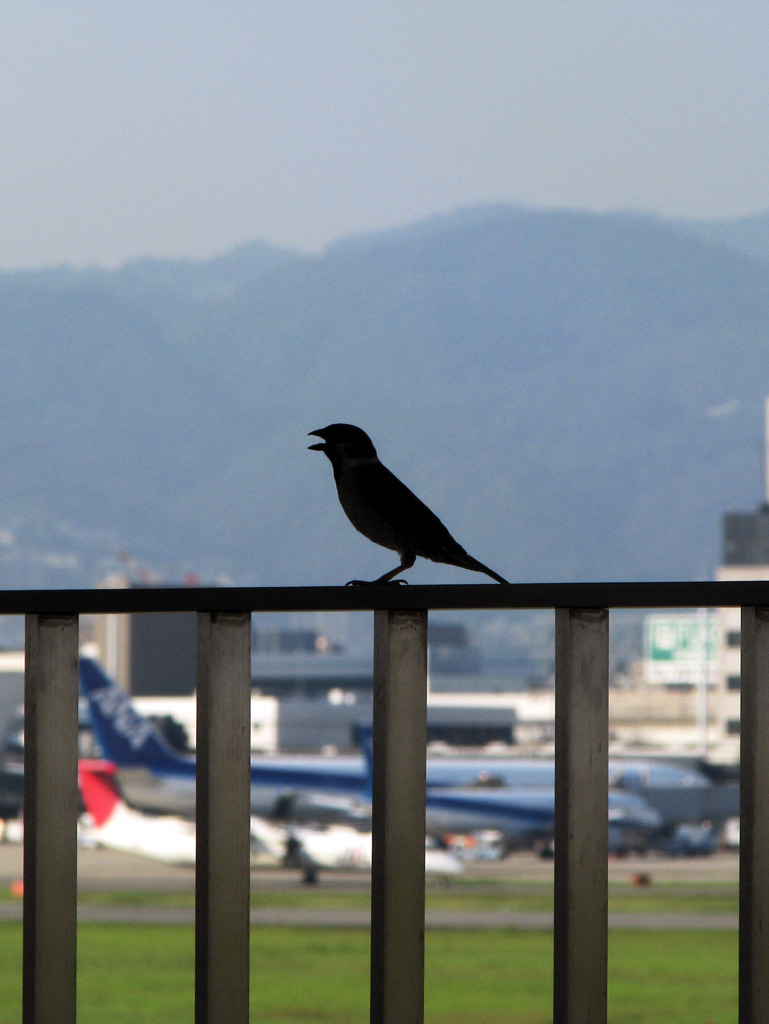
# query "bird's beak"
(316, 447)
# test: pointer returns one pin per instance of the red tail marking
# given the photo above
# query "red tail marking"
(98, 788)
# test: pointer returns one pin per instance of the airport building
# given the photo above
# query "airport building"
(745, 557)
(309, 694)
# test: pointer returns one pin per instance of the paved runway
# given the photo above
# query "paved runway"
(473, 920)
(108, 870)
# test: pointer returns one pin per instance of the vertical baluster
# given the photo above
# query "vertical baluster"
(398, 871)
(581, 816)
(754, 818)
(222, 877)
(50, 819)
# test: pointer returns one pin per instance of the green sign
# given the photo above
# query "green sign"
(681, 648)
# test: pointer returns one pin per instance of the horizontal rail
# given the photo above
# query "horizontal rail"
(705, 594)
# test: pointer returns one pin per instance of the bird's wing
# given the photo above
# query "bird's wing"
(398, 514)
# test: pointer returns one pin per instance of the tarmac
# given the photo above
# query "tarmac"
(101, 870)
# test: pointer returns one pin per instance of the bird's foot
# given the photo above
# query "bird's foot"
(372, 583)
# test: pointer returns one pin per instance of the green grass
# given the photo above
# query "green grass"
(133, 974)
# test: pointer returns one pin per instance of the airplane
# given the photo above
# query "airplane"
(171, 839)
(155, 777)
(642, 775)
(152, 774)
(524, 815)
(632, 823)
(340, 847)
(116, 825)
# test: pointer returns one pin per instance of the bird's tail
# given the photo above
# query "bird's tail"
(468, 562)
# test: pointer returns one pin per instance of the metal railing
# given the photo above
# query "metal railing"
(400, 667)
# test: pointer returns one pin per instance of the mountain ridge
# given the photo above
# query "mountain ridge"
(545, 380)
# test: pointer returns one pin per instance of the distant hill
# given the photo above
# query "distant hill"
(747, 234)
(578, 396)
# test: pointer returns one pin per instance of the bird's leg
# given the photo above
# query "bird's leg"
(407, 560)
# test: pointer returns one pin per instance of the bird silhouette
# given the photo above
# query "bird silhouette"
(384, 509)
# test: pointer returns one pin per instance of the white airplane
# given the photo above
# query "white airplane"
(337, 847)
(113, 824)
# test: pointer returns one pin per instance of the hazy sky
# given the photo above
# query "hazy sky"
(183, 127)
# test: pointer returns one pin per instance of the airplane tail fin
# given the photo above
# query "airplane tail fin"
(125, 736)
(98, 789)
